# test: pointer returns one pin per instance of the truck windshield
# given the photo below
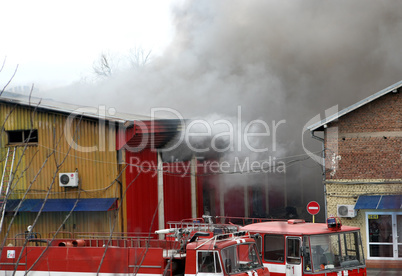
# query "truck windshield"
(240, 257)
(332, 251)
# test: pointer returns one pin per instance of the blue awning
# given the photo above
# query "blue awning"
(61, 205)
(379, 202)
(12, 204)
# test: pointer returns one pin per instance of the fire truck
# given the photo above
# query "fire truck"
(200, 249)
(295, 248)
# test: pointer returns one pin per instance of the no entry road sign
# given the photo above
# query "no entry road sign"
(313, 208)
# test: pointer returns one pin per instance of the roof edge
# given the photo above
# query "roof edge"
(355, 106)
(91, 112)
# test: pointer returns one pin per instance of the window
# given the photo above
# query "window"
(242, 257)
(339, 250)
(22, 136)
(306, 254)
(207, 261)
(384, 235)
(350, 247)
(274, 248)
(293, 251)
(258, 241)
(218, 263)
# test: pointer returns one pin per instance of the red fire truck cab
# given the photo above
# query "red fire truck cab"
(295, 248)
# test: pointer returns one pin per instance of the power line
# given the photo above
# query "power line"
(196, 166)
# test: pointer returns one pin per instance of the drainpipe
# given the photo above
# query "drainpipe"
(323, 169)
(161, 205)
(193, 180)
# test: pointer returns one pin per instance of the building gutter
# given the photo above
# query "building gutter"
(322, 140)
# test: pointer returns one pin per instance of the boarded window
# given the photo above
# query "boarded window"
(22, 136)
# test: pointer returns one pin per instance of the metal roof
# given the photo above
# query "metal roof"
(51, 105)
(138, 129)
(154, 134)
(355, 106)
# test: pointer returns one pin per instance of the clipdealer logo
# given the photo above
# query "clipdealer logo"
(186, 169)
(332, 135)
(236, 137)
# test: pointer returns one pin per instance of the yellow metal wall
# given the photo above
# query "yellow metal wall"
(78, 225)
(37, 166)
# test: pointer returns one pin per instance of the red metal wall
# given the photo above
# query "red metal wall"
(177, 191)
(142, 193)
(200, 194)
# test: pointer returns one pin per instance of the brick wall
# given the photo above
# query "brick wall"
(364, 156)
(367, 142)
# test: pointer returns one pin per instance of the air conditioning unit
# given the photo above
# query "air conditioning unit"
(346, 211)
(69, 179)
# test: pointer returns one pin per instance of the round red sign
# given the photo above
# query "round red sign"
(313, 208)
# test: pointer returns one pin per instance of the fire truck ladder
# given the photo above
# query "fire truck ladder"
(6, 180)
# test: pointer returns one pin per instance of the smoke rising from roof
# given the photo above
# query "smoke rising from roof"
(278, 60)
(272, 58)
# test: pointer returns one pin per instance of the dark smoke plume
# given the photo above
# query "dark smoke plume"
(277, 60)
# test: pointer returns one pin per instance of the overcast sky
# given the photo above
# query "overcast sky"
(56, 42)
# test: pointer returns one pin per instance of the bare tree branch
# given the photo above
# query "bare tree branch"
(139, 57)
(55, 234)
(9, 81)
(115, 222)
(106, 65)
(12, 174)
(4, 123)
(47, 194)
(137, 268)
(4, 63)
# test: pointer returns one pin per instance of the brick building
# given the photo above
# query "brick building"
(363, 171)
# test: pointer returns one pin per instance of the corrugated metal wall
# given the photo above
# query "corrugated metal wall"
(142, 191)
(37, 166)
(177, 191)
(142, 196)
(49, 223)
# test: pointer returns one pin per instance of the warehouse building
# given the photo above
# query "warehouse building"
(66, 170)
